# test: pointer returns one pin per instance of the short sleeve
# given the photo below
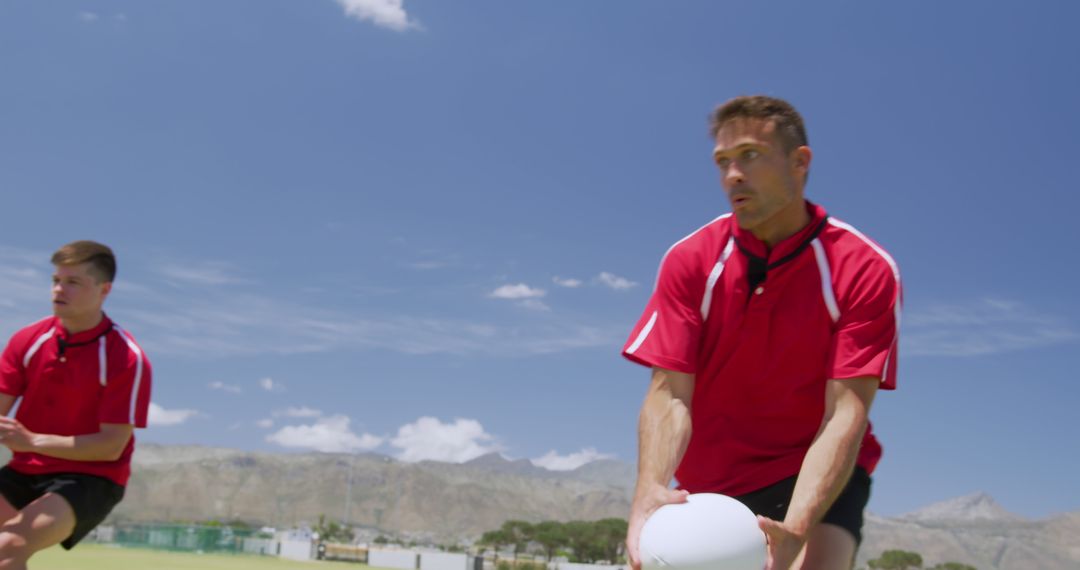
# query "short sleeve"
(12, 372)
(669, 329)
(867, 336)
(127, 394)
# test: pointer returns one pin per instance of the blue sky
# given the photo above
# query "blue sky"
(425, 229)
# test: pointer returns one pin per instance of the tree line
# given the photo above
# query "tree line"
(904, 560)
(579, 541)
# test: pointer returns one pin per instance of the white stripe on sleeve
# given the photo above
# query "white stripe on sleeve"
(102, 361)
(714, 276)
(138, 370)
(37, 344)
(661, 268)
(826, 280)
(896, 275)
(644, 333)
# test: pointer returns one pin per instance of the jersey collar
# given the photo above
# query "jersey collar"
(758, 266)
(85, 336)
(751, 244)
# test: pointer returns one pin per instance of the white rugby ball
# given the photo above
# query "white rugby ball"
(708, 532)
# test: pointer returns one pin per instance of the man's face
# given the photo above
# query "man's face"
(761, 180)
(76, 292)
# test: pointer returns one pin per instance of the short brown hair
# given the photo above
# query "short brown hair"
(789, 124)
(99, 256)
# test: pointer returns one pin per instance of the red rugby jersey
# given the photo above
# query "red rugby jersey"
(70, 384)
(761, 354)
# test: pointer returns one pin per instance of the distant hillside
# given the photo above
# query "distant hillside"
(448, 501)
(457, 502)
(976, 530)
(970, 508)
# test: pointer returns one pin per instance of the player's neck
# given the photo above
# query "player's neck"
(784, 224)
(81, 323)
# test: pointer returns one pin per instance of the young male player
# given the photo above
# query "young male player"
(768, 333)
(84, 385)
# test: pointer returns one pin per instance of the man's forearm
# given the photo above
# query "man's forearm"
(7, 401)
(825, 470)
(663, 434)
(101, 446)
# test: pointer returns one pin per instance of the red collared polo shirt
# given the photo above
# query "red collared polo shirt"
(71, 384)
(828, 308)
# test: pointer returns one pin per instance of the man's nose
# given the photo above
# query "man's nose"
(733, 176)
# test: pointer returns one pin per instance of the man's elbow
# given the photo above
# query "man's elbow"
(115, 446)
(114, 454)
(851, 419)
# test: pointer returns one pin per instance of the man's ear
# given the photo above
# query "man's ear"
(800, 161)
(801, 158)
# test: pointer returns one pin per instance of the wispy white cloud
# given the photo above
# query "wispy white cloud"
(300, 412)
(88, 17)
(534, 304)
(244, 327)
(24, 288)
(205, 273)
(160, 416)
(330, 434)
(980, 327)
(216, 322)
(425, 258)
(570, 282)
(384, 13)
(429, 439)
(270, 385)
(33, 257)
(615, 282)
(528, 297)
(225, 387)
(517, 291)
(427, 265)
(555, 462)
(265, 423)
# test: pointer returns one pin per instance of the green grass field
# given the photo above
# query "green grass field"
(99, 557)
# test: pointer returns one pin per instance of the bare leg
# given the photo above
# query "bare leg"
(7, 512)
(43, 523)
(829, 548)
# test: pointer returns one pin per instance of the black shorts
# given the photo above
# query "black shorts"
(846, 512)
(90, 497)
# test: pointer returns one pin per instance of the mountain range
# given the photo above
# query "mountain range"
(975, 530)
(456, 502)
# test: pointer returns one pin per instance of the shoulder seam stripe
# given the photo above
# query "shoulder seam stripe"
(643, 334)
(138, 369)
(37, 344)
(888, 258)
(714, 276)
(674, 245)
(827, 292)
(897, 303)
(102, 361)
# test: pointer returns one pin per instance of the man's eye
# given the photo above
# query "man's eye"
(750, 154)
(723, 163)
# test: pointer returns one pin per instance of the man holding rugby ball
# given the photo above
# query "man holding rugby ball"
(769, 332)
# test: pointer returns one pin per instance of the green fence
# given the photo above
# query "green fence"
(192, 538)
